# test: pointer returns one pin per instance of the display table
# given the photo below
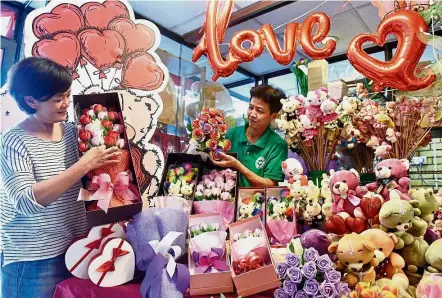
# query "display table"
(82, 288)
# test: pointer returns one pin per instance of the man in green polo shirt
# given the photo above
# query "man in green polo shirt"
(260, 150)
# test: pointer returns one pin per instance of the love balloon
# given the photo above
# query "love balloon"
(399, 72)
(215, 29)
(103, 35)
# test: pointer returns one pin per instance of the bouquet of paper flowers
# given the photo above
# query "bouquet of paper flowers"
(281, 218)
(251, 205)
(216, 193)
(366, 290)
(208, 132)
(207, 247)
(311, 275)
(99, 126)
(181, 180)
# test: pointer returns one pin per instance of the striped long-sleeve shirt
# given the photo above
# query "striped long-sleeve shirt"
(28, 230)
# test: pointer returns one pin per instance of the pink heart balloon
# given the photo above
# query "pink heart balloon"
(103, 49)
(141, 72)
(98, 15)
(63, 18)
(63, 48)
(138, 37)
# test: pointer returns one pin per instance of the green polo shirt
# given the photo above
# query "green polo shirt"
(263, 158)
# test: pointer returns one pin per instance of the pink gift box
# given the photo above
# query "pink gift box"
(208, 283)
(258, 280)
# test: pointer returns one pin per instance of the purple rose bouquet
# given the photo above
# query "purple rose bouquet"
(311, 275)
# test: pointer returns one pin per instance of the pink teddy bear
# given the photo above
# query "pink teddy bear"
(346, 191)
(392, 179)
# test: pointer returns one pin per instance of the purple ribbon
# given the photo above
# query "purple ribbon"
(153, 264)
(205, 261)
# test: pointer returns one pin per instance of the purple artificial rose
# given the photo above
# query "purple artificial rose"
(333, 276)
(311, 254)
(309, 270)
(343, 289)
(295, 274)
(327, 290)
(324, 263)
(281, 269)
(292, 260)
(279, 293)
(311, 287)
(301, 294)
(289, 287)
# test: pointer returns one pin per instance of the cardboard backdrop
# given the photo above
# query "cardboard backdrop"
(107, 50)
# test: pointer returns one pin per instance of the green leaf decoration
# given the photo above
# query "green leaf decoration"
(292, 247)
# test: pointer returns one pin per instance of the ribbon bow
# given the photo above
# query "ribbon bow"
(205, 261)
(104, 190)
(157, 255)
(253, 260)
(94, 245)
(110, 265)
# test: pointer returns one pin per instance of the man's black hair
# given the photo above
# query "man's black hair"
(269, 94)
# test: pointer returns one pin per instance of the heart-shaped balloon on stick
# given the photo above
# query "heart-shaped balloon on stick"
(63, 18)
(399, 72)
(63, 48)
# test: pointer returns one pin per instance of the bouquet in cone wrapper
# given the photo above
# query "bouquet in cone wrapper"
(111, 185)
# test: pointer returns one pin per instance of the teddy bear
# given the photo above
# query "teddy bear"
(415, 262)
(391, 179)
(390, 263)
(396, 217)
(174, 189)
(325, 186)
(246, 210)
(373, 142)
(289, 105)
(279, 210)
(356, 258)
(344, 186)
(293, 169)
(348, 138)
(186, 189)
(433, 257)
(347, 107)
(361, 91)
(426, 202)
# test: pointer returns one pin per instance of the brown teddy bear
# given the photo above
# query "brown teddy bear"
(414, 257)
(390, 263)
(356, 258)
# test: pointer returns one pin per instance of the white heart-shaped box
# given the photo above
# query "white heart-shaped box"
(78, 256)
(124, 265)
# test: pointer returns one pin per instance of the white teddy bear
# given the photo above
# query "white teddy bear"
(174, 189)
(297, 191)
(279, 209)
(312, 191)
(246, 210)
(289, 105)
(348, 106)
(327, 209)
(325, 187)
(186, 189)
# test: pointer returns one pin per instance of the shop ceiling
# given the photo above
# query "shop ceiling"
(181, 21)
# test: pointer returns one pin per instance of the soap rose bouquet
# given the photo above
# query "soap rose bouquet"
(309, 275)
(208, 133)
(98, 126)
(216, 193)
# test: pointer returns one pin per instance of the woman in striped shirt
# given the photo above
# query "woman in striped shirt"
(40, 181)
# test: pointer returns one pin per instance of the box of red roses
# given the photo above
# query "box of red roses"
(208, 265)
(110, 193)
(253, 270)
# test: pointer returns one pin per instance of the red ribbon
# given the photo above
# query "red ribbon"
(110, 265)
(248, 263)
(94, 245)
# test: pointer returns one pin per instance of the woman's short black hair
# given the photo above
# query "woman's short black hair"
(38, 77)
(269, 94)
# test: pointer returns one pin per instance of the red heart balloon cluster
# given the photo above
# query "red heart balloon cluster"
(102, 34)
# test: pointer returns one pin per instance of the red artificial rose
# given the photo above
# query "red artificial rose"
(220, 119)
(196, 124)
(204, 117)
(222, 128)
(85, 135)
(98, 108)
(198, 135)
(83, 147)
(111, 116)
(212, 144)
(227, 145)
(85, 111)
(215, 135)
(106, 124)
(85, 120)
(110, 141)
(113, 134)
(213, 112)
